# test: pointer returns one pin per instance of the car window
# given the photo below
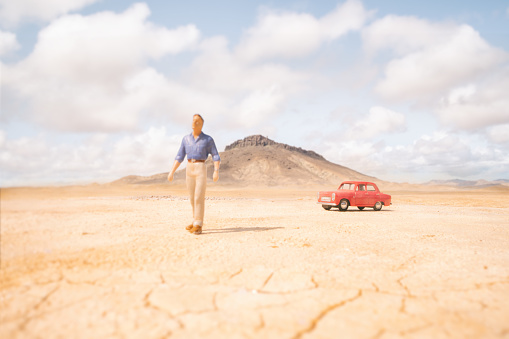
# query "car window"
(371, 188)
(347, 187)
(361, 187)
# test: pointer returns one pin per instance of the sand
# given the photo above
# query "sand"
(116, 262)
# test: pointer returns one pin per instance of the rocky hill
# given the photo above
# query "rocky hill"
(259, 140)
(260, 161)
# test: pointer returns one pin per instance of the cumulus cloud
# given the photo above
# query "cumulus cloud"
(379, 121)
(458, 156)
(77, 76)
(249, 94)
(29, 160)
(440, 154)
(290, 34)
(90, 73)
(12, 12)
(448, 68)
(8, 43)
(479, 105)
(430, 58)
(499, 134)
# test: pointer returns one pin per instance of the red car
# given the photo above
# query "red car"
(354, 193)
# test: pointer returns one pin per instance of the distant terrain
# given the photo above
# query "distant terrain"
(469, 183)
(257, 160)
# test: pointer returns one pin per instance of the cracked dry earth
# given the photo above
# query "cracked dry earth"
(118, 267)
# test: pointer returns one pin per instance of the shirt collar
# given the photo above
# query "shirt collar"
(199, 136)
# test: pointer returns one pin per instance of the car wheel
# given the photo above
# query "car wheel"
(378, 206)
(343, 205)
(361, 208)
(326, 207)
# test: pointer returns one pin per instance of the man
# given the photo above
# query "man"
(197, 146)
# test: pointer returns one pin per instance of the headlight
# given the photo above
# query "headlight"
(333, 196)
(318, 196)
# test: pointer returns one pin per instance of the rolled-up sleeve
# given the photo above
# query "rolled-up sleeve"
(181, 154)
(213, 151)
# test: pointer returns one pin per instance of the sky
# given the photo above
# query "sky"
(406, 91)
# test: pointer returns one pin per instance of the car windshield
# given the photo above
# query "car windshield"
(347, 187)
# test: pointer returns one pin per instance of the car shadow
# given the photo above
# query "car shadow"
(239, 229)
(359, 211)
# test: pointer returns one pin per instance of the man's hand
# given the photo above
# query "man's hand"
(170, 176)
(215, 176)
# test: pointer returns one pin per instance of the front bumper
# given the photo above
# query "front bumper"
(326, 203)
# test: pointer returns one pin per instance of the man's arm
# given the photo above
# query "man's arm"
(216, 158)
(176, 165)
(215, 176)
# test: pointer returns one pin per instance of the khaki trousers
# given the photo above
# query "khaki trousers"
(196, 181)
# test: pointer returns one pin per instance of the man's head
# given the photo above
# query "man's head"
(197, 123)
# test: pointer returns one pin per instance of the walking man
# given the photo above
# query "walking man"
(197, 146)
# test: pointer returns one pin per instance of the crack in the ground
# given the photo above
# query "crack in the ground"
(36, 307)
(163, 281)
(402, 265)
(316, 285)
(380, 333)
(148, 304)
(324, 313)
(377, 289)
(235, 274)
(415, 329)
(408, 292)
(267, 281)
(262, 323)
(402, 308)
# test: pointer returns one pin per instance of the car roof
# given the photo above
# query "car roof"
(357, 182)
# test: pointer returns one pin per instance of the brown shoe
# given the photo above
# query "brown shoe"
(189, 228)
(196, 230)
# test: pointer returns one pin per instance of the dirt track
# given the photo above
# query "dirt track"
(97, 266)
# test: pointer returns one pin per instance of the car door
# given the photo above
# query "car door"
(372, 195)
(361, 196)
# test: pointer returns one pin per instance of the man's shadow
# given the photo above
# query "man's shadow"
(240, 229)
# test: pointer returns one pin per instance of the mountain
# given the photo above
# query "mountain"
(260, 161)
(458, 183)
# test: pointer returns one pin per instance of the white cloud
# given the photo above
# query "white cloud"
(12, 12)
(380, 120)
(8, 43)
(90, 73)
(499, 134)
(237, 93)
(477, 106)
(440, 154)
(404, 35)
(29, 161)
(431, 57)
(77, 77)
(146, 153)
(289, 34)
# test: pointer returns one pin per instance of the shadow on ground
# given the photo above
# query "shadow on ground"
(240, 229)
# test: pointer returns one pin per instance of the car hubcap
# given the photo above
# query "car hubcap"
(344, 205)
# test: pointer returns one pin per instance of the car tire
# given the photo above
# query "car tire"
(326, 207)
(378, 206)
(360, 207)
(343, 205)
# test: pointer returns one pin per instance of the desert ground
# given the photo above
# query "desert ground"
(116, 262)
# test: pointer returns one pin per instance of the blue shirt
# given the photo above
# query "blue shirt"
(198, 149)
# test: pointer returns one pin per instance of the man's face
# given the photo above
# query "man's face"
(197, 123)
